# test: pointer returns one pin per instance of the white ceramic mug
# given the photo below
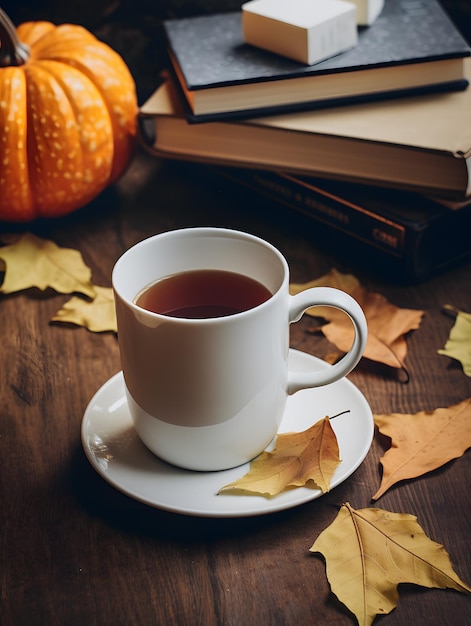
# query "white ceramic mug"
(209, 394)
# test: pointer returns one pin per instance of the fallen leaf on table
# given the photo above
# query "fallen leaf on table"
(387, 324)
(423, 441)
(34, 262)
(458, 345)
(369, 552)
(98, 315)
(311, 455)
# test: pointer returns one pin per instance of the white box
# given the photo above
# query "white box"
(305, 30)
(367, 11)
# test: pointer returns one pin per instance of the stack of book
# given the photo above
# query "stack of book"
(373, 144)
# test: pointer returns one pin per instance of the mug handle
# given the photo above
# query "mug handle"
(328, 296)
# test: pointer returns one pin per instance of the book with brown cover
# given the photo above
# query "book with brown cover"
(420, 143)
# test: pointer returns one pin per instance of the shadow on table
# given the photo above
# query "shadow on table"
(101, 500)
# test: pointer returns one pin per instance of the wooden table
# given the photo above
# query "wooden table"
(75, 550)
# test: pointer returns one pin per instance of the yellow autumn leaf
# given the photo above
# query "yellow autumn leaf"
(369, 552)
(423, 441)
(458, 345)
(310, 455)
(98, 315)
(34, 262)
(387, 323)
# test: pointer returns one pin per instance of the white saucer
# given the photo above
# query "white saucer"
(115, 451)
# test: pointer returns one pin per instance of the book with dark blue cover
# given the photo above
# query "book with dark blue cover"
(412, 47)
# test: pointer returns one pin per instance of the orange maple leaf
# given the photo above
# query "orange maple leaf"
(387, 323)
(423, 441)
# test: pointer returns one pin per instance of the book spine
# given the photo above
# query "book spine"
(407, 252)
(351, 219)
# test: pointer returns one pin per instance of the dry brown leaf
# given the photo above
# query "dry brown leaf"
(369, 552)
(387, 324)
(311, 455)
(34, 262)
(97, 315)
(423, 441)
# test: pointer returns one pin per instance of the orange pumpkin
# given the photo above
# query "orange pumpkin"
(68, 112)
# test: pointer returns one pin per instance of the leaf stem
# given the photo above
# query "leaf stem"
(339, 414)
(450, 310)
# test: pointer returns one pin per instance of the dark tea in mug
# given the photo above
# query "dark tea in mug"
(199, 294)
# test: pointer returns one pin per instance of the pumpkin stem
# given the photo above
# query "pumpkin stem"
(12, 51)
